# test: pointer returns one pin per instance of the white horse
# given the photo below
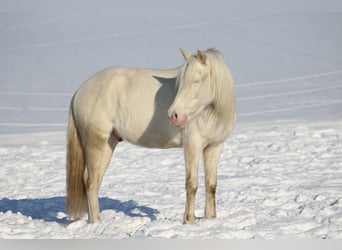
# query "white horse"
(192, 106)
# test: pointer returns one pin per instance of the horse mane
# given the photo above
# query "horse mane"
(224, 104)
(224, 90)
(222, 80)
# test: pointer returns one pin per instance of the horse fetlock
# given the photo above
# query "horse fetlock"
(210, 214)
(95, 219)
(189, 219)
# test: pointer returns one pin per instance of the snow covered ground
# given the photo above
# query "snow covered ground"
(280, 175)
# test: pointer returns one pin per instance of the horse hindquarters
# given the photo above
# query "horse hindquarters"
(76, 192)
(89, 152)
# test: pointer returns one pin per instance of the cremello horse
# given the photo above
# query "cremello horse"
(192, 106)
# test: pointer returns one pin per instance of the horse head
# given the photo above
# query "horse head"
(195, 91)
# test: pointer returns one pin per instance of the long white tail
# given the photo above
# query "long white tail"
(75, 166)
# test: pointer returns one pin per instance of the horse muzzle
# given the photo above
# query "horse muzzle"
(177, 119)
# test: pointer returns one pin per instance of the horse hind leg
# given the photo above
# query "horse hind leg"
(98, 155)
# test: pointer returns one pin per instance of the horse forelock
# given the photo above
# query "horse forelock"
(186, 70)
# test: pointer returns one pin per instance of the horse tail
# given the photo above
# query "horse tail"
(75, 167)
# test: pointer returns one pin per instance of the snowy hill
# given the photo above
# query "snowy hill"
(280, 172)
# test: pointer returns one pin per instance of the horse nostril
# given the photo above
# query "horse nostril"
(174, 117)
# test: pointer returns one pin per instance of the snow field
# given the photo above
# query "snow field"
(280, 183)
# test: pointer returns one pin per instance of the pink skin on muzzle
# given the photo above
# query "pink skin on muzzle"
(178, 120)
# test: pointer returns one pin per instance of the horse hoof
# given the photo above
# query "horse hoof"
(191, 220)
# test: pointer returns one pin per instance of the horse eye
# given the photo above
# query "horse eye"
(197, 81)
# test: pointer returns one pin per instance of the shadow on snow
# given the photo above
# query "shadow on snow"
(47, 209)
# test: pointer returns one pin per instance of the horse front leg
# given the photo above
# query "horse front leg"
(191, 155)
(211, 157)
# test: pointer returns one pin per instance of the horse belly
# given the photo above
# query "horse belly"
(159, 139)
(150, 132)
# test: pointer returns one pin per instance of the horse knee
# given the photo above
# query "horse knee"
(191, 186)
(211, 189)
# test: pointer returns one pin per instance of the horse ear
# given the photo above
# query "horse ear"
(186, 54)
(201, 56)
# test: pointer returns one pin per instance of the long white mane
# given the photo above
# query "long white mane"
(224, 90)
